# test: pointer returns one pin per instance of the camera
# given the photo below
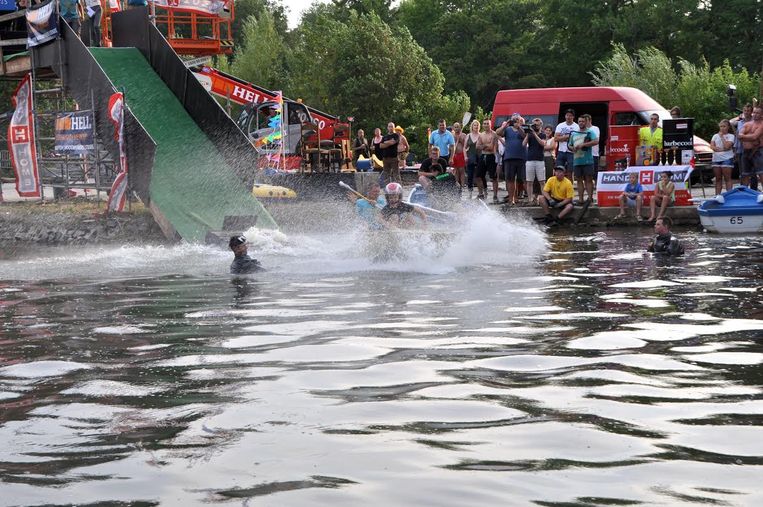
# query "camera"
(535, 127)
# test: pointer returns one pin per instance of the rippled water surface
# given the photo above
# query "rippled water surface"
(517, 369)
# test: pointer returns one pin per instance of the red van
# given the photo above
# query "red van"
(606, 105)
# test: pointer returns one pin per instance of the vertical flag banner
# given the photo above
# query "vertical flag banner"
(21, 141)
(118, 193)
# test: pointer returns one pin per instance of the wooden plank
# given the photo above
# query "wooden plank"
(13, 42)
(12, 15)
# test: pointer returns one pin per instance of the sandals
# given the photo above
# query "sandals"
(639, 218)
(619, 216)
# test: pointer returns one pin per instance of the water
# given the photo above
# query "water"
(571, 371)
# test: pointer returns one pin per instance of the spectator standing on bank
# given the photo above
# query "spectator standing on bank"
(375, 142)
(595, 148)
(751, 136)
(134, 4)
(561, 136)
(514, 155)
(471, 154)
(737, 123)
(391, 171)
(360, 146)
(581, 145)
(443, 139)
(71, 12)
(651, 135)
(487, 149)
(549, 151)
(723, 155)
(458, 161)
(535, 167)
(94, 11)
(675, 112)
(403, 148)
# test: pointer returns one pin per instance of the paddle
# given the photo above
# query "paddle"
(361, 196)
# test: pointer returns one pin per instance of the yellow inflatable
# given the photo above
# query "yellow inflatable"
(262, 191)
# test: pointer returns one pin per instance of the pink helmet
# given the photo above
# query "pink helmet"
(394, 188)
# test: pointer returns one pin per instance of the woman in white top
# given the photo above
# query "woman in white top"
(549, 151)
(723, 155)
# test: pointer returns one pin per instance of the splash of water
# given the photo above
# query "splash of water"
(482, 238)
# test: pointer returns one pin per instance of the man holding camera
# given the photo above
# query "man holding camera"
(514, 155)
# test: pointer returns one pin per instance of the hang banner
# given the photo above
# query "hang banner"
(74, 133)
(118, 192)
(21, 141)
(610, 184)
(206, 7)
(41, 23)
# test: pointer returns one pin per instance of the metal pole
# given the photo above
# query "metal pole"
(96, 152)
(32, 84)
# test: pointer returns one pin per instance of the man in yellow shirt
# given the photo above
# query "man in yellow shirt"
(651, 135)
(557, 193)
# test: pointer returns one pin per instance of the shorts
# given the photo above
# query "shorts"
(754, 162)
(513, 169)
(549, 161)
(724, 163)
(584, 170)
(564, 159)
(535, 169)
(630, 202)
(486, 166)
(401, 156)
(459, 160)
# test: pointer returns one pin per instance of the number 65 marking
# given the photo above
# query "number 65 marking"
(736, 220)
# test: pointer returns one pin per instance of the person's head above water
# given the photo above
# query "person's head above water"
(238, 244)
(662, 225)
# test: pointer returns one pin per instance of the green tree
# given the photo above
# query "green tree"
(699, 90)
(248, 8)
(261, 58)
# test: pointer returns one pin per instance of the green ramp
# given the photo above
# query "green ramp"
(191, 184)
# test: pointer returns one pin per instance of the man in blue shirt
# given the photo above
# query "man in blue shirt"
(368, 208)
(444, 140)
(580, 144)
(71, 11)
(514, 155)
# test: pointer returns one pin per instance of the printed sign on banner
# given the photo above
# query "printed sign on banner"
(74, 133)
(21, 141)
(610, 184)
(621, 146)
(118, 193)
(42, 23)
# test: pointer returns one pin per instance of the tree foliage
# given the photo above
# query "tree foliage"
(261, 58)
(699, 90)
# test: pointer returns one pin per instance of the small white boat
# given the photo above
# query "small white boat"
(740, 210)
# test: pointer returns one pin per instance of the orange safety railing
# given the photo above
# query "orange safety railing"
(190, 33)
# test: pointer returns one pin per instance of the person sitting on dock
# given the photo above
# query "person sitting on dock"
(434, 167)
(242, 263)
(665, 242)
(399, 214)
(557, 193)
(633, 195)
(664, 195)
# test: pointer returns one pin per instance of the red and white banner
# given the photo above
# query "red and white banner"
(21, 141)
(610, 184)
(207, 7)
(118, 193)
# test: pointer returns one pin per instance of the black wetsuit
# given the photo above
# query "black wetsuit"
(244, 264)
(400, 211)
(666, 244)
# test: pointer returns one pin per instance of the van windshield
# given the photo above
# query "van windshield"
(643, 116)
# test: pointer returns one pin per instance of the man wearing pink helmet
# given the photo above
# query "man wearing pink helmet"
(399, 214)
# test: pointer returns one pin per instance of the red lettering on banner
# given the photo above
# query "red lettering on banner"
(646, 177)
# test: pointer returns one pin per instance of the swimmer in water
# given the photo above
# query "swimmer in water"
(242, 264)
(665, 242)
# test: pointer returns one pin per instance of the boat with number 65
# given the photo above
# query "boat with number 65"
(739, 210)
